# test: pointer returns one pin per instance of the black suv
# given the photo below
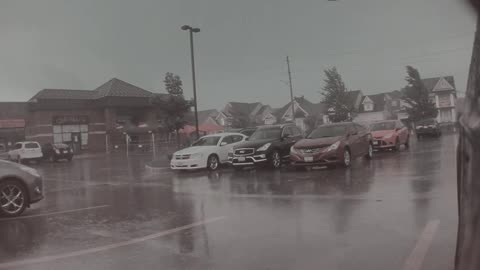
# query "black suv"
(428, 127)
(57, 151)
(268, 145)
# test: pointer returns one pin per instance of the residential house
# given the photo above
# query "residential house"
(303, 111)
(205, 117)
(443, 93)
(354, 100)
(376, 107)
(241, 114)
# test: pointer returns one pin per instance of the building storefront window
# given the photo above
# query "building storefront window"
(72, 130)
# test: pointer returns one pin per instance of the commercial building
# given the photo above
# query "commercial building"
(94, 120)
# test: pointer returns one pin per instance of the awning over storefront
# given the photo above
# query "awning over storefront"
(12, 123)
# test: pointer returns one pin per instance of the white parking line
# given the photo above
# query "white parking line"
(56, 213)
(107, 247)
(417, 256)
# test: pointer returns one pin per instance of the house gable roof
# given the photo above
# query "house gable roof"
(112, 88)
(119, 88)
(310, 108)
(430, 83)
(378, 102)
(241, 108)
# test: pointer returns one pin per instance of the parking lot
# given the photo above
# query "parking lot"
(397, 211)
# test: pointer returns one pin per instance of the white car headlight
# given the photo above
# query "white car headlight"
(57, 151)
(196, 155)
(388, 136)
(293, 149)
(29, 170)
(332, 147)
(264, 147)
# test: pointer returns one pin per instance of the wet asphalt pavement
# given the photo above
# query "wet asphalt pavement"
(397, 211)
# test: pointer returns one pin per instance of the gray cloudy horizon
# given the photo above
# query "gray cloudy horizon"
(241, 49)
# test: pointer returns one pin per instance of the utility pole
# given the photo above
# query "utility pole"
(291, 89)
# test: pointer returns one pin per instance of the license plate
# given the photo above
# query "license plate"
(375, 143)
(241, 159)
(308, 159)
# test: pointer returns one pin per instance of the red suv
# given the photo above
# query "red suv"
(389, 135)
(332, 144)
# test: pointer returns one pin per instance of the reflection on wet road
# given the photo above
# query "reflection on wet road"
(109, 213)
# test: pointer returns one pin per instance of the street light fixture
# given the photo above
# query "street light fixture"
(192, 30)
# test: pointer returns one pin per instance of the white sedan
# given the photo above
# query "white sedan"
(207, 152)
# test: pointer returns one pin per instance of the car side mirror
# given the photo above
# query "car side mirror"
(246, 138)
(223, 143)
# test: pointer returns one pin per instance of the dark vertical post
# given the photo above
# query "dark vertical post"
(291, 90)
(194, 83)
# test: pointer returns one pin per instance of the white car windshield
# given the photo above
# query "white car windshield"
(207, 141)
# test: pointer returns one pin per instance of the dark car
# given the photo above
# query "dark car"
(248, 131)
(57, 151)
(428, 127)
(333, 144)
(20, 186)
(268, 145)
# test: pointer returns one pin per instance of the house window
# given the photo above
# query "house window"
(445, 116)
(368, 107)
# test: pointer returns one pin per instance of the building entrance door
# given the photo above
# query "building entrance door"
(76, 142)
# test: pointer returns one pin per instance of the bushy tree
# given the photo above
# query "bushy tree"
(173, 107)
(173, 84)
(335, 96)
(420, 106)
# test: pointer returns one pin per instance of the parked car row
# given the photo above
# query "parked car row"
(276, 145)
(32, 151)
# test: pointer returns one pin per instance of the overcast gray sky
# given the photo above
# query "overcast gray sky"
(241, 49)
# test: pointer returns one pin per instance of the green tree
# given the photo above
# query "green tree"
(417, 97)
(173, 84)
(335, 96)
(173, 107)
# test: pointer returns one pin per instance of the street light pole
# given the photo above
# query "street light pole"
(192, 55)
(291, 90)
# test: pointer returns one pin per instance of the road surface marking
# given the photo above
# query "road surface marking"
(107, 247)
(56, 213)
(416, 257)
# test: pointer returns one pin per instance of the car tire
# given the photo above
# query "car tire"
(369, 154)
(17, 196)
(407, 143)
(275, 160)
(396, 148)
(347, 158)
(213, 163)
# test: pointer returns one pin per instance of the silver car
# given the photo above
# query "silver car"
(20, 186)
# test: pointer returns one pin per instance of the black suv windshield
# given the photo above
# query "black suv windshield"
(266, 133)
(427, 122)
(382, 126)
(207, 141)
(332, 131)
